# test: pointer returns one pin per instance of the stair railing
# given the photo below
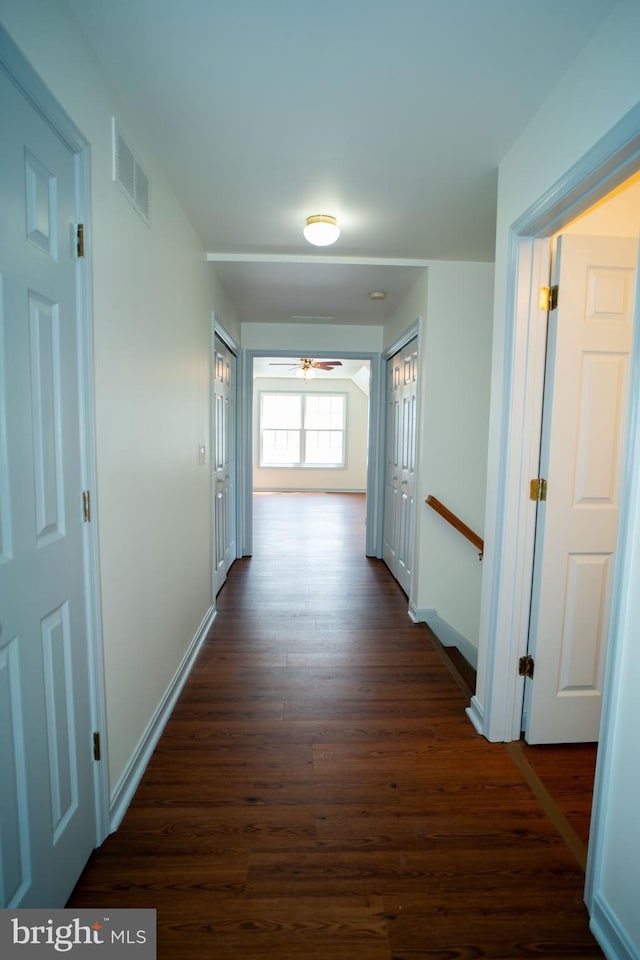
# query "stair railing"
(456, 522)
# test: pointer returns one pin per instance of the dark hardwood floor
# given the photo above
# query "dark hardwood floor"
(319, 791)
(566, 772)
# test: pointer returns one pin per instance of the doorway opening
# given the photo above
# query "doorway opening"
(496, 708)
(534, 263)
(582, 454)
(311, 430)
(568, 616)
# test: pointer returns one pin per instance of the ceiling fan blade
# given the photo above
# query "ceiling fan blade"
(327, 364)
(306, 363)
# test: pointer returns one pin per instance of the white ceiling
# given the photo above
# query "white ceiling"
(390, 114)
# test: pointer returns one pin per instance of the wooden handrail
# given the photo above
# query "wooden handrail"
(456, 522)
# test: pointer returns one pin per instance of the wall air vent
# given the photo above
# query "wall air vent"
(129, 174)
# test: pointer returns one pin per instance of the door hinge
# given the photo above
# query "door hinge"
(538, 489)
(96, 746)
(80, 240)
(525, 667)
(86, 506)
(548, 298)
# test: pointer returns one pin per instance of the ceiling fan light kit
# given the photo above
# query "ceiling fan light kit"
(321, 230)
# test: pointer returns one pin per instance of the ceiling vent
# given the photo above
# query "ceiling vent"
(129, 174)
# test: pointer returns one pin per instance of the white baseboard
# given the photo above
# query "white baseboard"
(476, 715)
(606, 928)
(128, 782)
(446, 634)
(421, 615)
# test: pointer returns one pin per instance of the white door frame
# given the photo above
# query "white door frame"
(375, 487)
(219, 330)
(496, 713)
(24, 76)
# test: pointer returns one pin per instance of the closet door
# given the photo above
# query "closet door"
(47, 792)
(224, 495)
(400, 456)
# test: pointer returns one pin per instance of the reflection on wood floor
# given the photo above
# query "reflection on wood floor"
(566, 772)
(319, 791)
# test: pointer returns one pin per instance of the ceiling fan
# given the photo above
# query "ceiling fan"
(306, 366)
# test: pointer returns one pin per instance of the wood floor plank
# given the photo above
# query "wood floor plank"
(270, 927)
(568, 772)
(443, 867)
(319, 791)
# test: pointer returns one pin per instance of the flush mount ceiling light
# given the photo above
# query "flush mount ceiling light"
(321, 230)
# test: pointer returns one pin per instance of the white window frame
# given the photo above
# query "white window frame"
(303, 395)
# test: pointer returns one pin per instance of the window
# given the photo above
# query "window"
(302, 430)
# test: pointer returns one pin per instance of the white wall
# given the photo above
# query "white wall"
(351, 478)
(153, 294)
(453, 456)
(309, 339)
(454, 302)
(614, 853)
(225, 312)
(599, 88)
(412, 309)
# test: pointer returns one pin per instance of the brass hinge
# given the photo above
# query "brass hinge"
(80, 240)
(548, 298)
(96, 745)
(86, 506)
(538, 489)
(525, 667)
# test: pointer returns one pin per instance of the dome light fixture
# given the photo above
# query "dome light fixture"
(321, 230)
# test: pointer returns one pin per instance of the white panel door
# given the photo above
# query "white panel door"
(393, 442)
(400, 454)
(47, 809)
(584, 421)
(224, 399)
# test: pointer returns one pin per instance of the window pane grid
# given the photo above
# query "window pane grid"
(281, 446)
(323, 446)
(299, 430)
(324, 412)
